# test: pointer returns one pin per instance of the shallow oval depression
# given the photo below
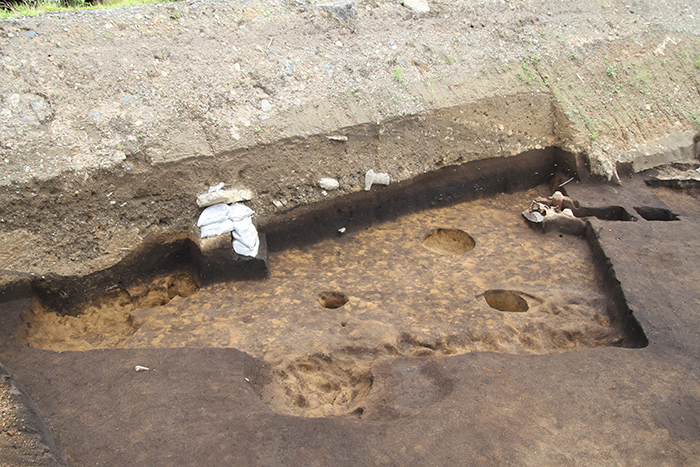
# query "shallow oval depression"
(506, 300)
(318, 385)
(448, 241)
(106, 321)
(332, 300)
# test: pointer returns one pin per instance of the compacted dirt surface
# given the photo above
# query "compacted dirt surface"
(423, 323)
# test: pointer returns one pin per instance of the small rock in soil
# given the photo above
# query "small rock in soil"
(328, 183)
(420, 6)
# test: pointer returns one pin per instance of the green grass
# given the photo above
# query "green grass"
(398, 74)
(46, 6)
(526, 73)
(695, 119)
(611, 71)
(590, 124)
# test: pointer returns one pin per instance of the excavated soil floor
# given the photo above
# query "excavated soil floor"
(468, 277)
(426, 398)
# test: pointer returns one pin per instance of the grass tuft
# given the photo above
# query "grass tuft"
(41, 7)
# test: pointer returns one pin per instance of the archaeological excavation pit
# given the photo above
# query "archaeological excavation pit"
(462, 276)
(448, 241)
(331, 299)
(506, 300)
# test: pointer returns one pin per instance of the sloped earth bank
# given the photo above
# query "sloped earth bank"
(111, 122)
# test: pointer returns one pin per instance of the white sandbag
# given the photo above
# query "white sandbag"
(245, 238)
(245, 231)
(238, 212)
(214, 188)
(246, 250)
(218, 228)
(374, 178)
(214, 214)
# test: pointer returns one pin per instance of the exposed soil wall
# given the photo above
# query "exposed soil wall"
(113, 121)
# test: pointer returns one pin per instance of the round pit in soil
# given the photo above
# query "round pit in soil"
(332, 300)
(506, 300)
(448, 241)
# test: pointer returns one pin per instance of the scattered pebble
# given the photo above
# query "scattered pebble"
(141, 368)
(343, 9)
(337, 138)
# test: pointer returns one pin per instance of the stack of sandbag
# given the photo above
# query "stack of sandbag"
(215, 220)
(236, 218)
(245, 237)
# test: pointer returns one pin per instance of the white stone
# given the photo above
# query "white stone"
(328, 183)
(373, 178)
(420, 6)
(223, 196)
